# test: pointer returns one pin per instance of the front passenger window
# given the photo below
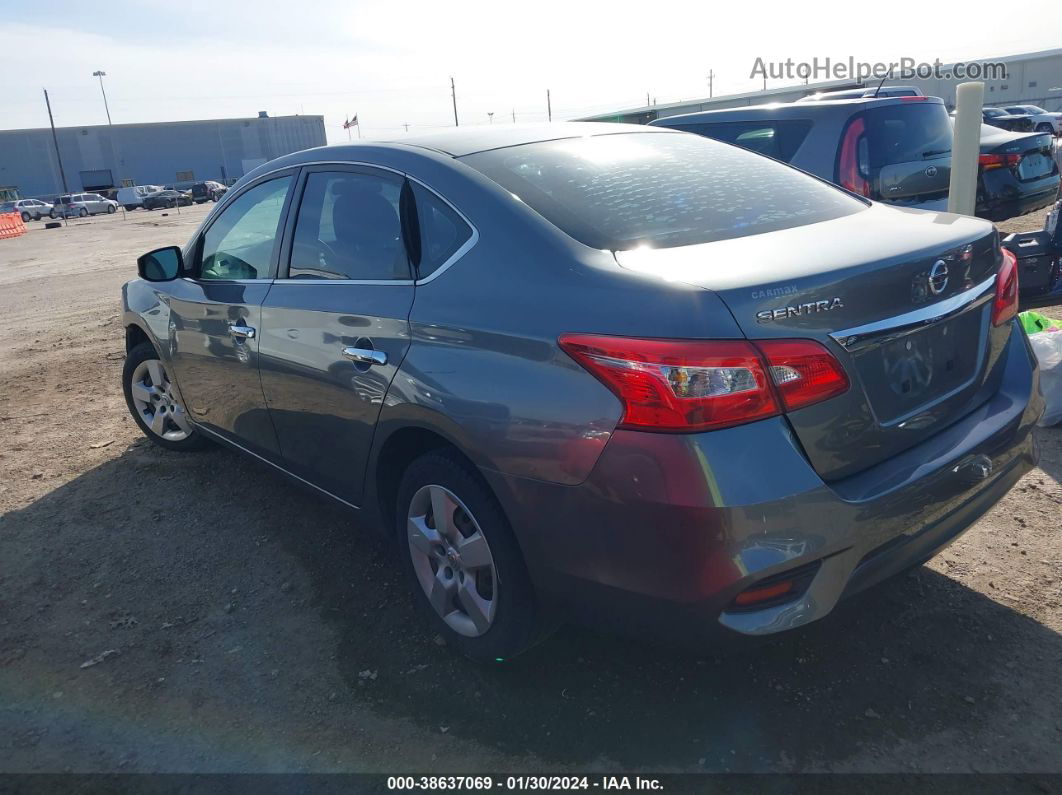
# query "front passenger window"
(239, 244)
(349, 227)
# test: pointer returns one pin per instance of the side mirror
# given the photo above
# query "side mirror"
(161, 265)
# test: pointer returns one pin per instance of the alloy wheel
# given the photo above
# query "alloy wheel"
(156, 402)
(452, 560)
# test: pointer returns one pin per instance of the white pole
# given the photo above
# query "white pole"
(965, 148)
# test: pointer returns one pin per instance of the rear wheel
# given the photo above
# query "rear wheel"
(51, 214)
(25, 216)
(463, 560)
(154, 403)
(82, 212)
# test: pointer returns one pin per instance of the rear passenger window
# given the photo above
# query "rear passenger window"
(349, 227)
(777, 139)
(442, 231)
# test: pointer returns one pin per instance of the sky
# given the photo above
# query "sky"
(391, 62)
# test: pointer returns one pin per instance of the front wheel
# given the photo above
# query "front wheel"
(51, 214)
(154, 403)
(463, 560)
(1044, 127)
(110, 209)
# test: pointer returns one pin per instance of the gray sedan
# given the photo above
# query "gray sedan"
(627, 375)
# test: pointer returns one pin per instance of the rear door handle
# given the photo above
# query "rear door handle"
(365, 355)
(239, 332)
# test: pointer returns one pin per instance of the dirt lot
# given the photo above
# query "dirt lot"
(161, 612)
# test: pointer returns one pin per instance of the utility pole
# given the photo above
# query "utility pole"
(647, 99)
(406, 125)
(453, 95)
(711, 81)
(101, 74)
(55, 140)
(490, 115)
(549, 107)
(514, 115)
(765, 81)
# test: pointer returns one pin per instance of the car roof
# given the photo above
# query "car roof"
(792, 110)
(461, 141)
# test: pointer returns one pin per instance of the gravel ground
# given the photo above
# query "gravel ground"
(161, 612)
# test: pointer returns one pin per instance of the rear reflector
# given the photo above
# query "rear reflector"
(1006, 303)
(684, 385)
(763, 593)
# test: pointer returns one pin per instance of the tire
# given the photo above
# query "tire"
(111, 209)
(25, 217)
(1045, 127)
(157, 400)
(37, 217)
(510, 621)
(82, 212)
(130, 207)
(51, 214)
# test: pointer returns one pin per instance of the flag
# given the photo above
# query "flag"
(351, 122)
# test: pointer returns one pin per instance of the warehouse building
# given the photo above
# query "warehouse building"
(1032, 79)
(99, 158)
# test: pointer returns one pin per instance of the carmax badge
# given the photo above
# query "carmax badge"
(800, 310)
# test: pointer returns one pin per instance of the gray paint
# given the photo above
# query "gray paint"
(671, 525)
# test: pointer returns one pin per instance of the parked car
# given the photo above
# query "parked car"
(207, 191)
(896, 150)
(1016, 174)
(81, 205)
(27, 208)
(1043, 121)
(167, 199)
(997, 117)
(872, 92)
(648, 378)
(133, 197)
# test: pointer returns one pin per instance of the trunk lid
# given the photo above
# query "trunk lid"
(907, 151)
(901, 297)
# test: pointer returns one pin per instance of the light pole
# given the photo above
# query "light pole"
(490, 115)
(101, 74)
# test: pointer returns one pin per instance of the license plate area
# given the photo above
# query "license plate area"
(910, 373)
(1034, 166)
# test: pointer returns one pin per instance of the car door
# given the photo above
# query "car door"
(335, 323)
(215, 315)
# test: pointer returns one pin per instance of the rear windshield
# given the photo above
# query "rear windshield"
(775, 138)
(664, 189)
(907, 132)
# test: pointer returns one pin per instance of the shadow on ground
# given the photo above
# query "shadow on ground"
(272, 591)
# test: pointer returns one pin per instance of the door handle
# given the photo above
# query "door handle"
(239, 332)
(365, 355)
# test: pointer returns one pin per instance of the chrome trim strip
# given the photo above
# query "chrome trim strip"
(228, 441)
(890, 328)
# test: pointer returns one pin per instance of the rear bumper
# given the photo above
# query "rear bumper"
(669, 528)
(1001, 196)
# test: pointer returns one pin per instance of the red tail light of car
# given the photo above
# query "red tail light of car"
(686, 385)
(849, 174)
(1006, 303)
(991, 162)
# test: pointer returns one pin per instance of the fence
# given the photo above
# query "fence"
(11, 225)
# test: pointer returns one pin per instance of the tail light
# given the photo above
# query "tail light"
(990, 162)
(1006, 303)
(683, 385)
(849, 174)
(914, 99)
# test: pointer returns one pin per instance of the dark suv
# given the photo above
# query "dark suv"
(895, 150)
(207, 191)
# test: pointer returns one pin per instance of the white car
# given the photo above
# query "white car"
(27, 208)
(1043, 120)
(133, 197)
(82, 204)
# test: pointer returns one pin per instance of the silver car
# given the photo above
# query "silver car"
(28, 208)
(82, 204)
